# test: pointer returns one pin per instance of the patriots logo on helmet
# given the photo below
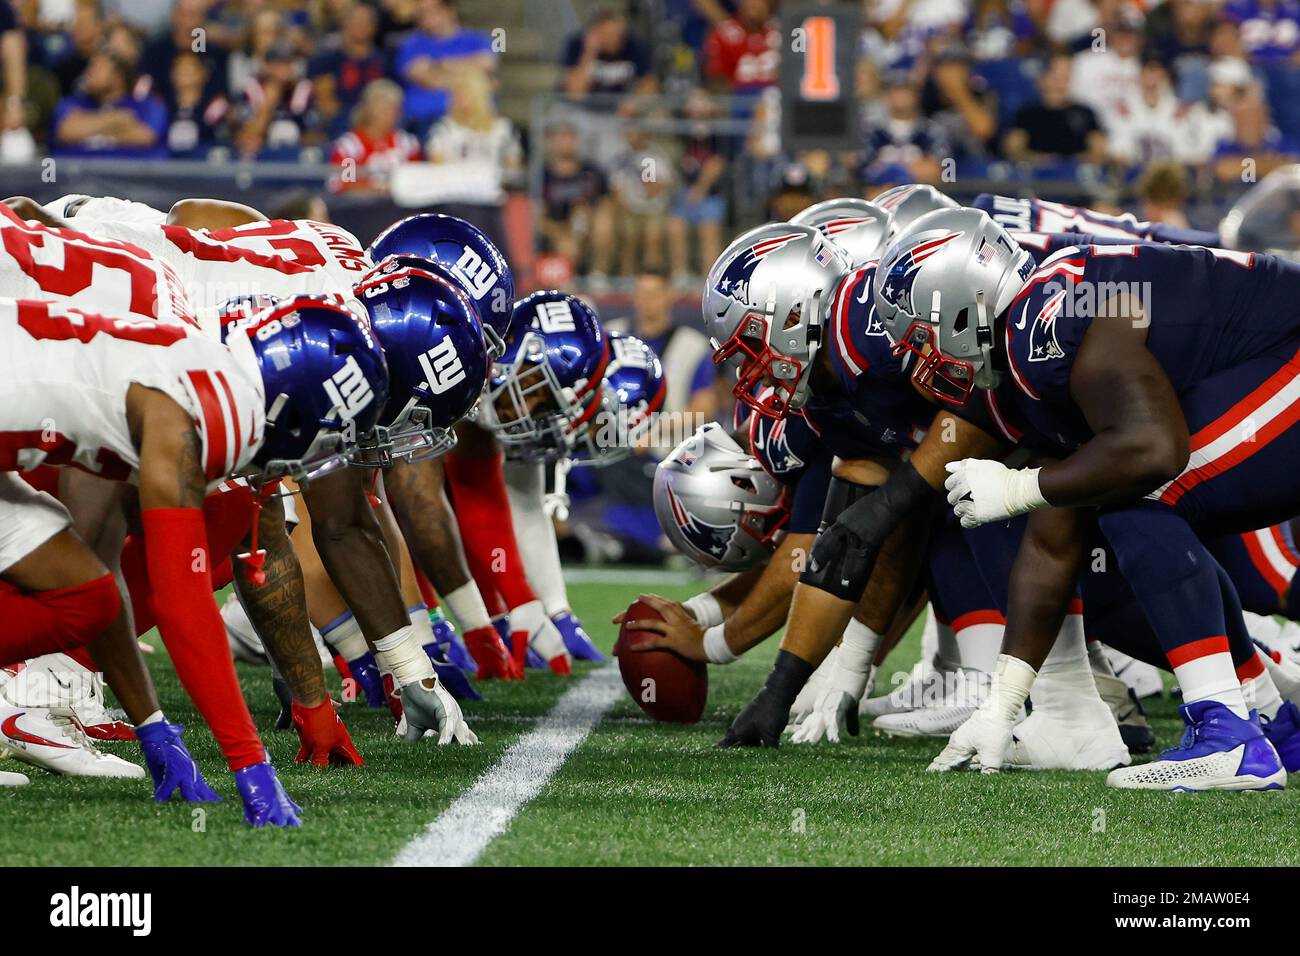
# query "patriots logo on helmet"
(836, 226)
(710, 539)
(897, 288)
(771, 442)
(1043, 346)
(734, 281)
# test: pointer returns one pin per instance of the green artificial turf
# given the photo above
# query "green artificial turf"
(640, 793)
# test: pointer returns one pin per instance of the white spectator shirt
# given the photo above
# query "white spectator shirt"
(496, 149)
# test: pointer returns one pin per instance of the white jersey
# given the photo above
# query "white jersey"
(100, 274)
(64, 377)
(280, 258)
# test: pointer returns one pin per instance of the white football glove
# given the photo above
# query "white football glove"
(835, 712)
(803, 704)
(981, 491)
(836, 707)
(986, 735)
(426, 710)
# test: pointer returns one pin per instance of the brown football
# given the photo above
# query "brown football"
(664, 684)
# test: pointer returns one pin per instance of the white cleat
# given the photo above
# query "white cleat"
(1087, 738)
(1145, 679)
(53, 740)
(59, 682)
(923, 684)
(963, 690)
(8, 779)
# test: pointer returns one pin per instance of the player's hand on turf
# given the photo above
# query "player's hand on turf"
(266, 804)
(432, 708)
(981, 491)
(170, 764)
(760, 724)
(983, 739)
(678, 631)
(323, 737)
(834, 713)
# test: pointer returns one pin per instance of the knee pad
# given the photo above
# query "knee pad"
(839, 564)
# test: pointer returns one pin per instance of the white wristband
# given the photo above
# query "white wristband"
(705, 609)
(715, 645)
(1020, 493)
(1011, 683)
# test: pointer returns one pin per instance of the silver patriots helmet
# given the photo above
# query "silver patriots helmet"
(1267, 217)
(938, 290)
(855, 225)
(716, 504)
(763, 304)
(906, 204)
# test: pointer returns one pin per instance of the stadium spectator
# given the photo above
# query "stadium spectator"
(347, 65)
(186, 34)
(476, 137)
(684, 350)
(1102, 75)
(1149, 124)
(643, 181)
(1270, 29)
(959, 103)
(606, 61)
(793, 193)
(1056, 127)
(576, 213)
(104, 119)
(897, 134)
(364, 157)
(1256, 146)
(85, 33)
(1000, 29)
(742, 54)
(13, 71)
(199, 120)
(700, 204)
(275, 114)
(434, 55)
(1178, 31)
(265, 30)
(1162, 192)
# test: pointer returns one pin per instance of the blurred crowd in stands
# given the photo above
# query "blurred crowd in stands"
(662, 130)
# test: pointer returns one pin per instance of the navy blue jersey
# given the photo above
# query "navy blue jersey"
(1039, 215)
(876, 391)
(1209, 310)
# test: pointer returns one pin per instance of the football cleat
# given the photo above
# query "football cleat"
(1144, 678)
(283, 720)
(1283, 732)
(919, 687)
(56, 680)
(1128, 713)
(963, 691)
(576, 639)
(1219, 751)
(51, 738)
(548, 644)
(8, 779)
(367, 681)
(1085, 738)
(451, 676)
(245, 644)
(491, 653)
(265, 801)
(450, 641)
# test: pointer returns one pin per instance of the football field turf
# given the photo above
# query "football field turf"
(637, 793)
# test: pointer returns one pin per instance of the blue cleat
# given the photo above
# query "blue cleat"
(170, 764)
(576, 639)
(285, 718)
(1219, 751)
(265, 802)
(1283, 732)
(369, 682)
(452, 677)
(449, 639)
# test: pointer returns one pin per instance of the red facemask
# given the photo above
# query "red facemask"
(947, 380)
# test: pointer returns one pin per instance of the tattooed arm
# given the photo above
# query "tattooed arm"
(415, 492)
(278, 610)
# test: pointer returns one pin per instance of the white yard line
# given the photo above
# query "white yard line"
(483, 812)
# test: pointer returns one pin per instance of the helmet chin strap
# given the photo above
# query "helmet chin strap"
(985, 375)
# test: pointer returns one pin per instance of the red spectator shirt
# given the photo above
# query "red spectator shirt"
(747, 61)
(372, 160)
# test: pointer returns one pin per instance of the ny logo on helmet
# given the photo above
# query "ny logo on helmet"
(349, 390)
(474, 272)
(442, 367)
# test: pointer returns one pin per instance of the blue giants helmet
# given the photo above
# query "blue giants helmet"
(326, 382)
(547, 388)
(462, 248)
(437, 360)
(634, 389)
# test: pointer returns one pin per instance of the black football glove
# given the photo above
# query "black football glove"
(761, 723)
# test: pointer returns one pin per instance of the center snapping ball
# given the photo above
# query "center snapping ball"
(664, 684)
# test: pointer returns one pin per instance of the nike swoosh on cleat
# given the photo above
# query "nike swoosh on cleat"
(11, 730)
